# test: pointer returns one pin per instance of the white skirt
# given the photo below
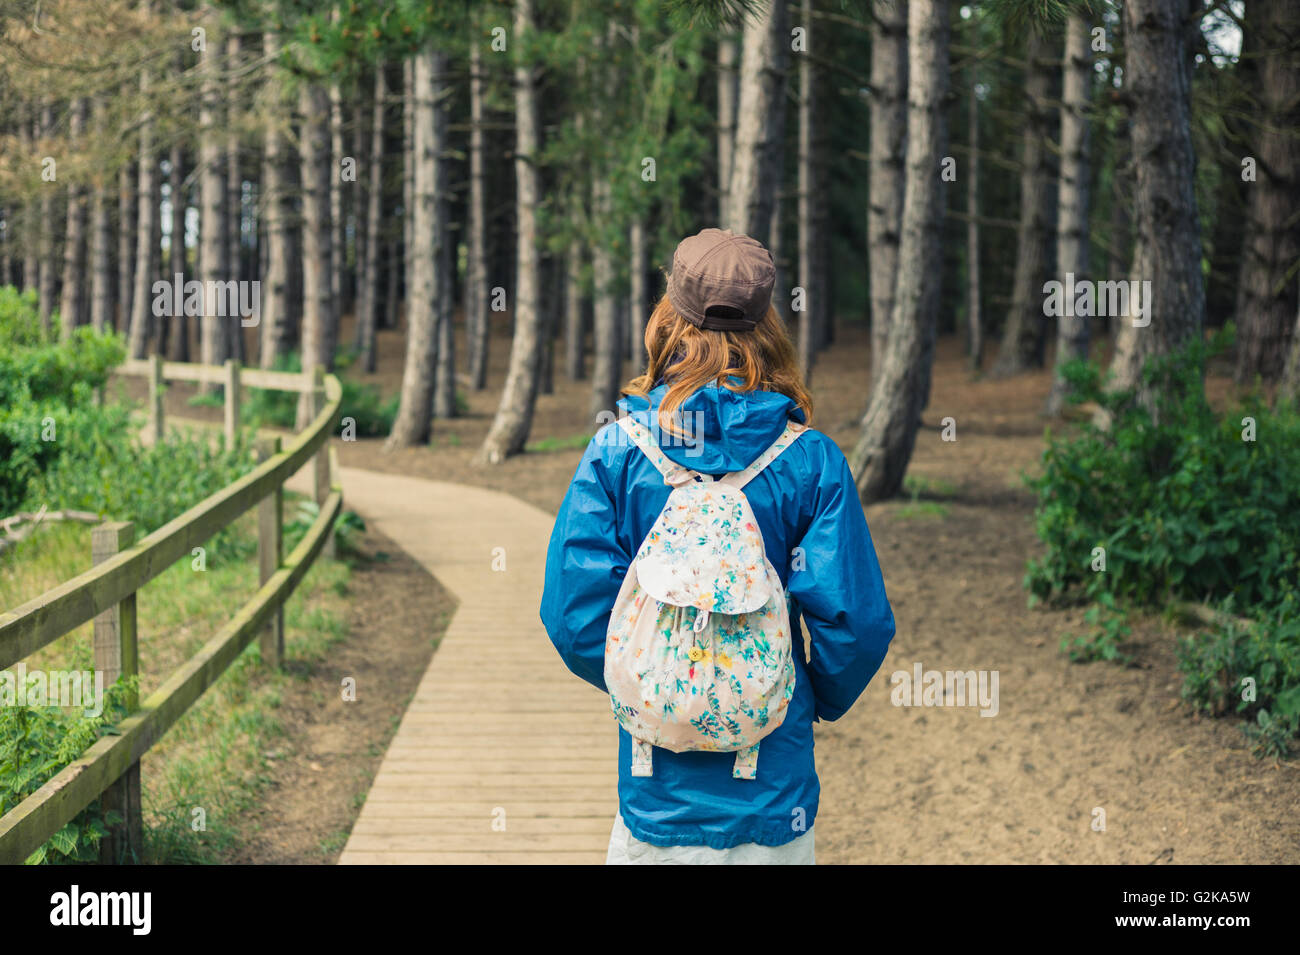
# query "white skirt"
(627, 849)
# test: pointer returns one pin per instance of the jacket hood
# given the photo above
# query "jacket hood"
(725, 430)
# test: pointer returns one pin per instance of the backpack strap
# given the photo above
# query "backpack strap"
(673, 472)
(738, 479)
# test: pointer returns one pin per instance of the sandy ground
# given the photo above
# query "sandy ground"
(331, 750)
(1082, 763)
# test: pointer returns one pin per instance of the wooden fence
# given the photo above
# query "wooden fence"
(106, 594)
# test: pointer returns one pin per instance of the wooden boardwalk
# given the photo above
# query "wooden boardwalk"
(503, 755)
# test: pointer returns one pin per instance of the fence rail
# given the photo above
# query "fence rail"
(106, 594)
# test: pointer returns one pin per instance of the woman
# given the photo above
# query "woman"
(721, 386)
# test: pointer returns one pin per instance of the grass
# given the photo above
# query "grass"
(574, 442)
(211, 766)
(918, 487)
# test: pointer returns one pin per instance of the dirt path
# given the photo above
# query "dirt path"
(326, 760)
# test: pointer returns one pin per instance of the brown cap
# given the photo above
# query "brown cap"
(721, 281)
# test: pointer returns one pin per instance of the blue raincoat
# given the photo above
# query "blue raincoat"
(808, 511)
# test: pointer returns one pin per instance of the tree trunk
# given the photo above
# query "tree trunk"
(727, 79)
(444, 389)
(889, 427)
(319, 318)
(146, 248)
(514, 416)
(1118, 256)
(72, 306)
(807, 235)
(756, 164)
(1288, 389)
(1024, 332)
(1167, 245)
(1267, 295)
(574, 325)
(1072, 202)
(32, 226)
(885, 186)
(368, 297)
(408, 178)
(212, 205)
(606, 363)
(275, 328)
(477, 326)
(179, 341)
(549, 281)
(49, 241)
(823, 307)
(393, 268)
(101, 238)
(427, 108)
(233, 218)
(638, 304)
(356, 206)
(776, 246)
(6, 244)
(295, 294)
(126, 213)
(974, 317)
(338, 240)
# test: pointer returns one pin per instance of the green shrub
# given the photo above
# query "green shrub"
(67, 373)
(36, 742)
(267, 407)
(103, 470)
(20, 318)
(1251, 671)
(1184, 508)
(47, 401)
(1106, 640)
(348, 527)
(1182, 505)
(61, 449)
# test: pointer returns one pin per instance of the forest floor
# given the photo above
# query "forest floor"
(1082, 763)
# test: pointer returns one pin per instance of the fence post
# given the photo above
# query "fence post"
(270, 552)
(117, 654)
(232, 401)
(322, 469)
(156, 398)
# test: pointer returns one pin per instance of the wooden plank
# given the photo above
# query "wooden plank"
(270, 552)
(44, 619)
(156, 391)
(453, 750)
(515, 823)
(595, 769)
(385, 806)
(497, 723)
(215, 374)
(458, 791)
(117, 655)
(479, 857)
(508, 841)
(231, 406)
(116, 648)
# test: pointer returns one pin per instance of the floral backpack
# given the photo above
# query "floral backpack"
(698, 652)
